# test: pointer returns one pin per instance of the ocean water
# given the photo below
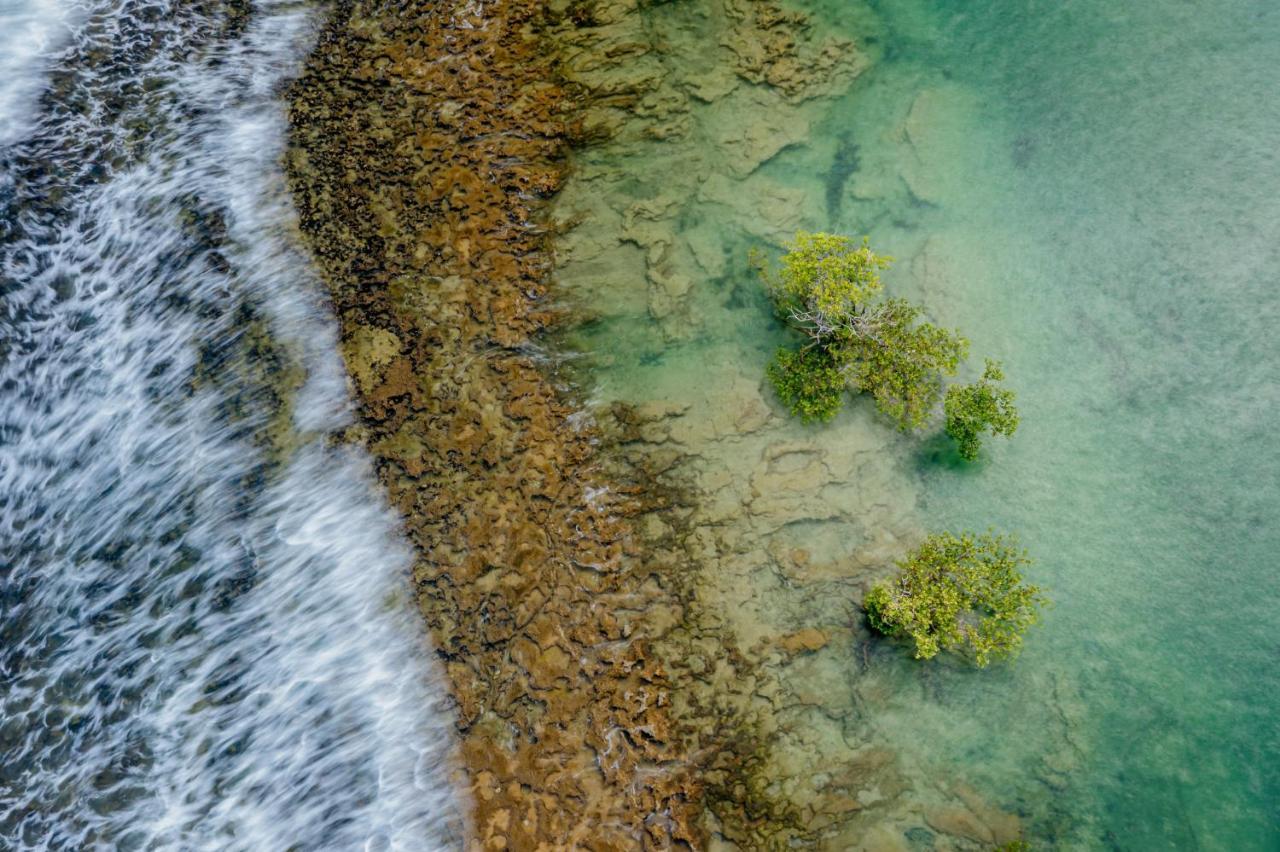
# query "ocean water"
(1092, 192)
(207, 639)
(31, 32)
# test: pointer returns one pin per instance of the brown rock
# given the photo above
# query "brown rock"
(807, 640)
(883, 839)
(958, 822)
(1005, 827)
(435, 261)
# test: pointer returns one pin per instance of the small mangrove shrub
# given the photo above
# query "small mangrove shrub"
(827, 287)
(900, 361)
(972, 410)
(959, 592)
(809, 383)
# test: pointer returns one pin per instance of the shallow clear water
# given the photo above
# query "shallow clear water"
(1091, 192)
(1095, 201)
(207, 640)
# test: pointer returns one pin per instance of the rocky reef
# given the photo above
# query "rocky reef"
(424, 140)
(648, 643)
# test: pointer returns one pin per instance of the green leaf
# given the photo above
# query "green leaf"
(961, 591)
(974, 409)
(808, 382)
(824, 274)
(900, 361)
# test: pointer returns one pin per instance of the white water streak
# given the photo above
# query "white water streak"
(30, 32)
(201, 651)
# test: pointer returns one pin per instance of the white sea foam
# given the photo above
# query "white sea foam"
(200, 649)
(30, 32)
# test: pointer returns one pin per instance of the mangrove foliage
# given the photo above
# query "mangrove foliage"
(974, 409)
(961, 592)
(828, 288)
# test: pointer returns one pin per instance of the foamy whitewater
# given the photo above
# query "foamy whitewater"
(205, 642)
(30, 33)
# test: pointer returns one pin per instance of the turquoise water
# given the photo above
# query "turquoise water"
(1091, 191)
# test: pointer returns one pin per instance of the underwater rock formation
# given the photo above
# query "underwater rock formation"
(773, 530)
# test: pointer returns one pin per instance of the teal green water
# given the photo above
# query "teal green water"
(1096, 201)
(1091, 192)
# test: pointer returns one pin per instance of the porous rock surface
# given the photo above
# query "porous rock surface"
(424, 138)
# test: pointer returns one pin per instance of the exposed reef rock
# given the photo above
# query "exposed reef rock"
(424, 138)
(642, 648)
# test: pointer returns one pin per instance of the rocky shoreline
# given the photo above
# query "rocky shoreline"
(425, 141)
(590, 575)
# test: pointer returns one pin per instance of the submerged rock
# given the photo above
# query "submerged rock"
(807, 640)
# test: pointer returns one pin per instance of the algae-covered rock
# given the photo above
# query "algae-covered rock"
(807, 640)
(420, 177)
(748, 145)
(367, 350)
(958, 822)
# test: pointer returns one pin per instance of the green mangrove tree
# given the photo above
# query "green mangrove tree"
(980, 407)
(828, 288)
(959, 592)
